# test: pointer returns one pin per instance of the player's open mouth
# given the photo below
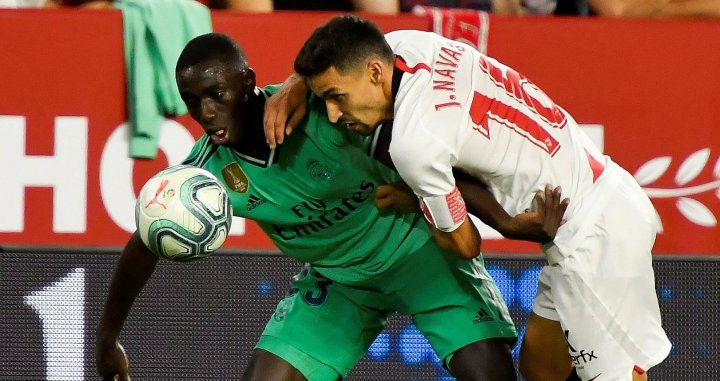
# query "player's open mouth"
(219, 136)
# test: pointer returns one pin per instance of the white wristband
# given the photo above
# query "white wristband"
(447, 212)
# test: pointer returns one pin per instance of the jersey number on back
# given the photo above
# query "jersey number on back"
(516, 86)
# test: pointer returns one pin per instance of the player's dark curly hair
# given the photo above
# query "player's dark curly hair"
(343, 42)
(212, 46)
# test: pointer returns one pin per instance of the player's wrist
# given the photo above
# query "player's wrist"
(106, 334)
(511, 227)
(106, 341)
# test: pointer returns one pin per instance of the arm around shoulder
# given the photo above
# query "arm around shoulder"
(285, 109)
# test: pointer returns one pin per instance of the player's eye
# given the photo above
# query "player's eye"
(190, 100)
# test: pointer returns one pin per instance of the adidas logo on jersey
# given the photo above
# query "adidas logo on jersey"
(253, 202)
(482, 316)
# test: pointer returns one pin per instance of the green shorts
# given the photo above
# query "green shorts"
(323, 328)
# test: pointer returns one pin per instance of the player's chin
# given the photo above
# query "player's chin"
(362, 129)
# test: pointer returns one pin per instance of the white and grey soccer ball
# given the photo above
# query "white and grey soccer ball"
(183, 213)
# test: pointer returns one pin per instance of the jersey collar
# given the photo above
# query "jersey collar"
(266, 156)
(398, 71)
(380, 141)
(379, 147)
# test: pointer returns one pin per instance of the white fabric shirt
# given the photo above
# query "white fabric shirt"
(458, 108)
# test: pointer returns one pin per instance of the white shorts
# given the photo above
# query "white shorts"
(603, 293)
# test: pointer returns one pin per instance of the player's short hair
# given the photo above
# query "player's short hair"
(212, 46)
(344, 42)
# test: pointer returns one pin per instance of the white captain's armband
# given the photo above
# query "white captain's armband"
(447, 212)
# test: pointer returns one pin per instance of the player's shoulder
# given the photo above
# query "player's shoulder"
(407, 35)
(201, 153)
(413, 42)
(269, 90)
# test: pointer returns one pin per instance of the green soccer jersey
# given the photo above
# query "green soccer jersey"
(313, 196)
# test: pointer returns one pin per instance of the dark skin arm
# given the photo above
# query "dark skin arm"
(134, 268)
(537, 226)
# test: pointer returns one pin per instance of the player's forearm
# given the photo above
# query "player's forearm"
(482, 204)
(464, 241)
(134, 267)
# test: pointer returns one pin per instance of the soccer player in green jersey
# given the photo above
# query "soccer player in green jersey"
(315, 201)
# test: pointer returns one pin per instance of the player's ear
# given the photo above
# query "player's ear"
(248, 80)
(377, 70)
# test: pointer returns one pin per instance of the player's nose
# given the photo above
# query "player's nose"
(207, 110)
(334, 112)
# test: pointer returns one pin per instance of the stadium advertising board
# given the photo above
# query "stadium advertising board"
(200, 321)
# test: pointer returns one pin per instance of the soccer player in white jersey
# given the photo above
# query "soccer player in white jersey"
(441, 108)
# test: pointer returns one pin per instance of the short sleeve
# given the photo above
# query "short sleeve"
(426, 166)
(425, 163)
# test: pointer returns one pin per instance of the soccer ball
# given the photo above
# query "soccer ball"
(183, 213)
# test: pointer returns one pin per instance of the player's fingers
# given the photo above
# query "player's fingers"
(384, 202)
(549, 196)
(539, 203)
(269, 124)
(268, 138)
(557, 194)
(275, 118)
(279, 124)
(273, 108)
(384, 191)
(563, 207)
(295, 119)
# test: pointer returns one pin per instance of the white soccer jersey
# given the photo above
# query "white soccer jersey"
(455, 107)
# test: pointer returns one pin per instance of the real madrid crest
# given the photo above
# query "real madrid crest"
(235, 178)
(318, 170)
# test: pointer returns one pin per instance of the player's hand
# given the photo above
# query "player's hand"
(542, 224)
(111, 361)
(285, 109)
(398, 196)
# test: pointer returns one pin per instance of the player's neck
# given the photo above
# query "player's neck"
(253, 141)
(389, 99)
(391, 89)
